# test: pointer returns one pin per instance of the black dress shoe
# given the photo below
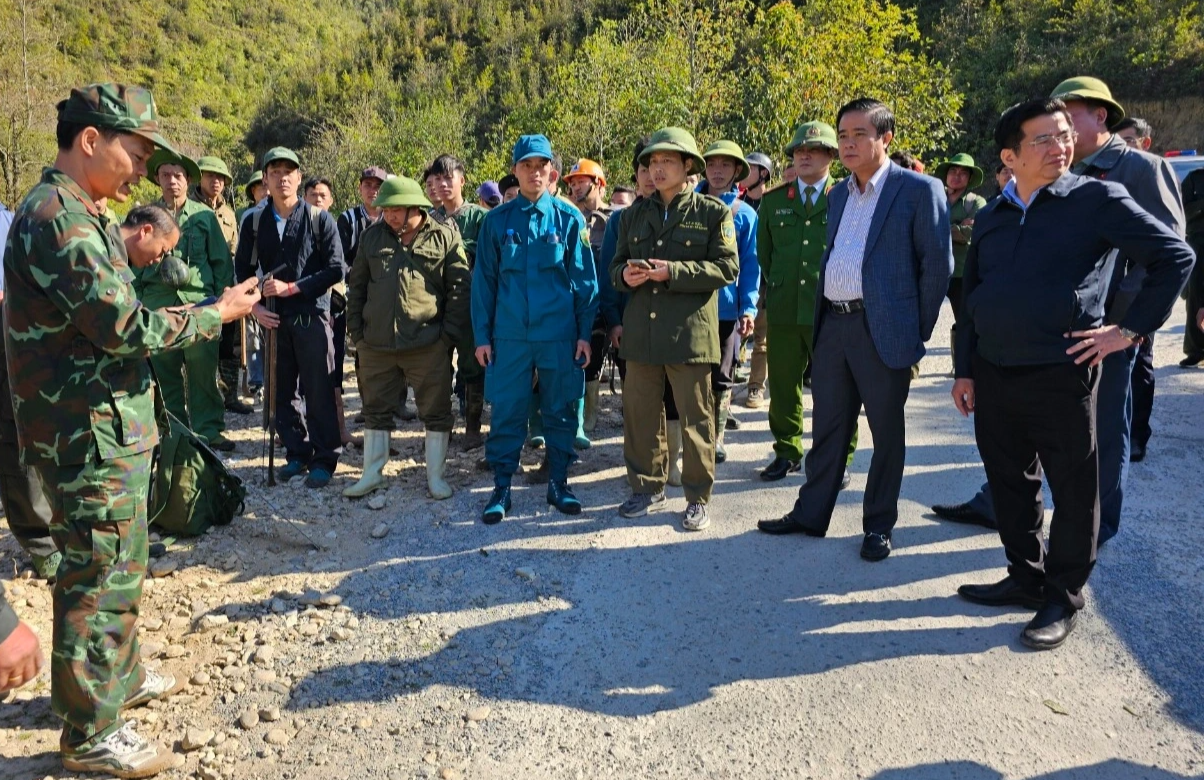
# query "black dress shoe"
(1050, 627)
(1007, 592)
(787, 525)
(875, 547)
(846, 480)
(732, 424)
(239, 406)
(1191, 361)
(780, 468)
(1136, 453)
(963, 513)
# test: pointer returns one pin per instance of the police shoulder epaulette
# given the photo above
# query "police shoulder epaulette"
(779, 186)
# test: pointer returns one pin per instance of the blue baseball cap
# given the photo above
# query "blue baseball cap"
(490, 193)
(529, 146)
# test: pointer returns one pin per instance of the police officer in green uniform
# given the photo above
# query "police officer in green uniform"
(675, 251)
(791, 236)
(188, 377)
(960, 175)
(407, 304)
(445, 177)
(74, 324)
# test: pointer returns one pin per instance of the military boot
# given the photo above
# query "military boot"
(560, 495)
(591, 406)
(436, 457)
(228, 372)
(474, 406)
(497, 506)
(376, 455)
(673, 434)
(721, 410)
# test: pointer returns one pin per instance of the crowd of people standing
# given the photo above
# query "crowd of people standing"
(1056, 283)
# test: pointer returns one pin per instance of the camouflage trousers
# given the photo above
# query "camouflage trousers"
(98, 521)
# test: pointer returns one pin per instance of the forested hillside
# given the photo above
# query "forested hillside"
(398, 81)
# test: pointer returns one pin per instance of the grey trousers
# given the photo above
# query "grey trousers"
(846, 374)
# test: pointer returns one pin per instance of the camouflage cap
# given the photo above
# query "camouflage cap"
(120, 107)
(163, 157)
(813, 134)
(215, 165)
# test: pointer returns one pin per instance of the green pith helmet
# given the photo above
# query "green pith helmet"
(675, 139)
(1088, 88)
(215, 165)
(174, 271)
(813, 134)
(961, 160)
(729, 149)
(256, 178)
(400, 192)
(163, 157)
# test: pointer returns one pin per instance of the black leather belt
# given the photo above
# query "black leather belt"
(845, 307)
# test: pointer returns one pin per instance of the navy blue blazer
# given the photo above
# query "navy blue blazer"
(907, 265)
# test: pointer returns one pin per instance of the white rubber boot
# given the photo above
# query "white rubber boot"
(436, 455)
(376, 455)
(591, 406)
(674, 436)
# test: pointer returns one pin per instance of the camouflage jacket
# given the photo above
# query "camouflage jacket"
(76, 335)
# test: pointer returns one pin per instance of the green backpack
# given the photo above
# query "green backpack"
(192, 489)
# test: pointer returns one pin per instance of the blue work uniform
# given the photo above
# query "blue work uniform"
(534, 296)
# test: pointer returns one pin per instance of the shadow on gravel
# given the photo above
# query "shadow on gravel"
(969, 770)
(645, 629)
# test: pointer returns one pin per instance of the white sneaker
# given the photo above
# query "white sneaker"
(696, 518)
(124, 754)
(155, 685)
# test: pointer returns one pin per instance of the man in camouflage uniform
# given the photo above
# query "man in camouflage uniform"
(188, 377)
(214, 190)
(77, 339)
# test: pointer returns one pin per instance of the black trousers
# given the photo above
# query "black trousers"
(1030, 418)
(1193, 337)
(1142, 385)
(305, 407)
(723, 372)
(847, 374)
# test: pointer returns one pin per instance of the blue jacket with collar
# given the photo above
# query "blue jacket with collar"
(1034, 275)
(534, 278)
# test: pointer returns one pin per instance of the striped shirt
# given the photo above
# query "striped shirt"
(842, 280)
